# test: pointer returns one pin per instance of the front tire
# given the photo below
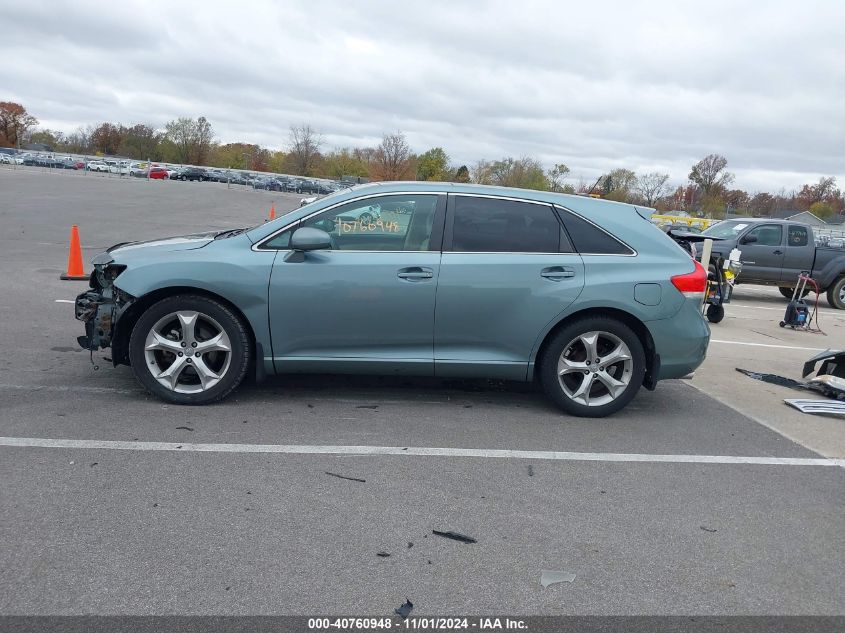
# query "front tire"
(836, 294)
(189, 349)
(593, 367)
(715, 313)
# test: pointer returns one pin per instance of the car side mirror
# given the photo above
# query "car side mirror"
(749, 239)
(307, 239)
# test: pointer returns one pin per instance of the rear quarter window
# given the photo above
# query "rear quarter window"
(590, 239)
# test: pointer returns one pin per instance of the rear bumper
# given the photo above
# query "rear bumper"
(680, 341)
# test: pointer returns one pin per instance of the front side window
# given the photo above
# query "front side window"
(767, 234)
(493, 225)
(382, 223)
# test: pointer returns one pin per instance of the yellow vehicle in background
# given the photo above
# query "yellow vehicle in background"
(700, 223)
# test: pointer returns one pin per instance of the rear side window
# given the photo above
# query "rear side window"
(589, 239)
(493, 225)
(798, 236)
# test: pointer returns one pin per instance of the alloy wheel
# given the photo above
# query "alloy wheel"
(595, 368)
(187, 351)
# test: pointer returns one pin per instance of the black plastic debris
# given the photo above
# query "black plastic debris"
(184, 428)
(383, 554)
(92, 464)
(410, 545)
(530, 470)
(363, 481)
(405, 610)
(833, 364)
(774, 379)
(367, 406)
(455, 536)
(707, 529)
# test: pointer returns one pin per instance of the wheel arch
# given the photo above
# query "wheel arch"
(126, 323)
(639, 328)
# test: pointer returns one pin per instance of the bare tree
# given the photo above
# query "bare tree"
(710, 175)
(303, 149)
(203, 138)
(392, 160)
(652, 187)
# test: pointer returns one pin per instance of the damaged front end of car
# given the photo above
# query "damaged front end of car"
(101, 307)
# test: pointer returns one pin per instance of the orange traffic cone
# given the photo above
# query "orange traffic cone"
(273, 212)
(74, 258)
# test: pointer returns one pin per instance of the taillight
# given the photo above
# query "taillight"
(692, 285)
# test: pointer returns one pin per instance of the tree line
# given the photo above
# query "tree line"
(185, 140)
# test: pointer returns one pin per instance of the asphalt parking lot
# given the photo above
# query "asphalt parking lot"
(118, 504)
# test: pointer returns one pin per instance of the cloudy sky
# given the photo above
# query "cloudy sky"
(596, 85)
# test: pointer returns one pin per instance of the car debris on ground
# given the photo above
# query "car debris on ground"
(551, 577)
(455, 536)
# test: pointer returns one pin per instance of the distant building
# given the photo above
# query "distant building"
(807, 218)
(38, 147)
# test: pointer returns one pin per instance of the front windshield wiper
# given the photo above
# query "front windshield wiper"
(230, 233)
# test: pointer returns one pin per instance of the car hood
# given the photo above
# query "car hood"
(130, 250)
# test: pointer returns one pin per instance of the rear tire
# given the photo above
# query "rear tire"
(572, 381)
(715, 313)
(189, 349)
(836, 294)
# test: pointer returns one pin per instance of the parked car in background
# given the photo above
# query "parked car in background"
(582, 295)
(158, 173)
(121, 168)
(192, 173)
(171, 171)
(775, 252)
(96, 165)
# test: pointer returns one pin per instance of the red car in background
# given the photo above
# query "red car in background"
(158, 173)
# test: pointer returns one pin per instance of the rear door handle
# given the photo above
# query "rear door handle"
(415, 273)
(556, 273)
(777, 252)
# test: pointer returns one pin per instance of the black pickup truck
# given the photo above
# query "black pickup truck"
(776, 252)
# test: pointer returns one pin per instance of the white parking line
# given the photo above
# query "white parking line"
(833, 313)
(36, 442)
(806, 349)
(64, 300)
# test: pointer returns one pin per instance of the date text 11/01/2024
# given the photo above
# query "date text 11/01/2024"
(417, 624)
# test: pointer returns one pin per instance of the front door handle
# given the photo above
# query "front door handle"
(777, 252)
(556, 273)
(415, 273)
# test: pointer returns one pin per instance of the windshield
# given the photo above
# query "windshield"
(726, 230)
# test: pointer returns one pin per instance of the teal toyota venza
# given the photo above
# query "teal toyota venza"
(586, 296)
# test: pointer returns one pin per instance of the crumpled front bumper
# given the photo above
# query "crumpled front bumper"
(97, 312)
(100, 307)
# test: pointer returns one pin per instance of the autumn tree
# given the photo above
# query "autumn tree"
(761, 204)
(15, 121)
(191, 138)
(523, 173)
(392, 159)
(737, 200)
(106, 138)
(433, 165)
(303, 149)
(652, 187)
(140, 141)
(823, 191)
(822, 209)
(461, 174)
(555, 176)
(710, 176)
(54, 139)
(344, 162)
(618, 184)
